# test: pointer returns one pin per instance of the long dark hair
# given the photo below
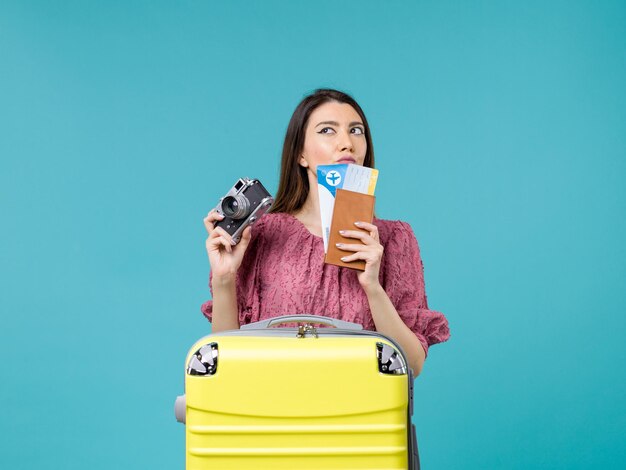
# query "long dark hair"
(293, 187)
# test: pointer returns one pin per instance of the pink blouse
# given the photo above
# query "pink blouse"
(283, 273)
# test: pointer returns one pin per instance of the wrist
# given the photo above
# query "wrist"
(223, 281)
(374, 289)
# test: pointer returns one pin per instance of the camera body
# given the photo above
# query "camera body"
(242, 206)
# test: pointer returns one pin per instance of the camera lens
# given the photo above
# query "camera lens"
(235, 207)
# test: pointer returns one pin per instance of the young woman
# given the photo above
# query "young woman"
(278, 267)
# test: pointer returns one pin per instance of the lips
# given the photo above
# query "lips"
(346, 160)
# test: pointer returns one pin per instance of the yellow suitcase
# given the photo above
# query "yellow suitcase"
(298, 398)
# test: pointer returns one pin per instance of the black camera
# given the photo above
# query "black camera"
(243, 205)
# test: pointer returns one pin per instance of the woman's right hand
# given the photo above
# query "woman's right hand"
(225, 258)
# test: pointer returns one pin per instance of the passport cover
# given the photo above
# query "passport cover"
(347, 176)
(350, 207)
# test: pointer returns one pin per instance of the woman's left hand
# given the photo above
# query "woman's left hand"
(371, 252)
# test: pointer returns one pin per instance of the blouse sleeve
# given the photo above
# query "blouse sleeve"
(403, 281)
(247, 295)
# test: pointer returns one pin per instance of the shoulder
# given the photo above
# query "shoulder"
(269, 226)
(268, 221)
(391, 231)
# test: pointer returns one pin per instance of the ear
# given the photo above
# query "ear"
(303, 162)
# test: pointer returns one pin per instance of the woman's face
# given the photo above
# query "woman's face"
(335, 133)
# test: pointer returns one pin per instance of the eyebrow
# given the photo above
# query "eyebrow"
(335, 123)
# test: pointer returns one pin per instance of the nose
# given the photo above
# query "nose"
(344, 141)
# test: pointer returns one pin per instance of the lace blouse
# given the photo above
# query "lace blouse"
(283, 273)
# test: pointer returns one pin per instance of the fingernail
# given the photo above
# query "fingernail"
(342, 231)
(357, 224)
(232, 242)
(339, 245)
(344, 259)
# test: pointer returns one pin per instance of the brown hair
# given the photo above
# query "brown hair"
(293, 187)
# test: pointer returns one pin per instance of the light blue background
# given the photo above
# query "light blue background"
(500, 135)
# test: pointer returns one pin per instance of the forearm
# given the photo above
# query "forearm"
(225, 314)
(388, 322)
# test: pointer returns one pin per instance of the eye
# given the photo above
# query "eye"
(326, 130)
(357, 131)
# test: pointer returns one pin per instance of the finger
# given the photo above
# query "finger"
(215, 242)
(360, 234)
(246, 235)
(356, 256)
(215, 214)
(219, 231)
(371, 228)
(210, 219)
(226, 244)
(351, 246)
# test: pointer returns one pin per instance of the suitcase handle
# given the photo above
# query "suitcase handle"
(346, 325)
